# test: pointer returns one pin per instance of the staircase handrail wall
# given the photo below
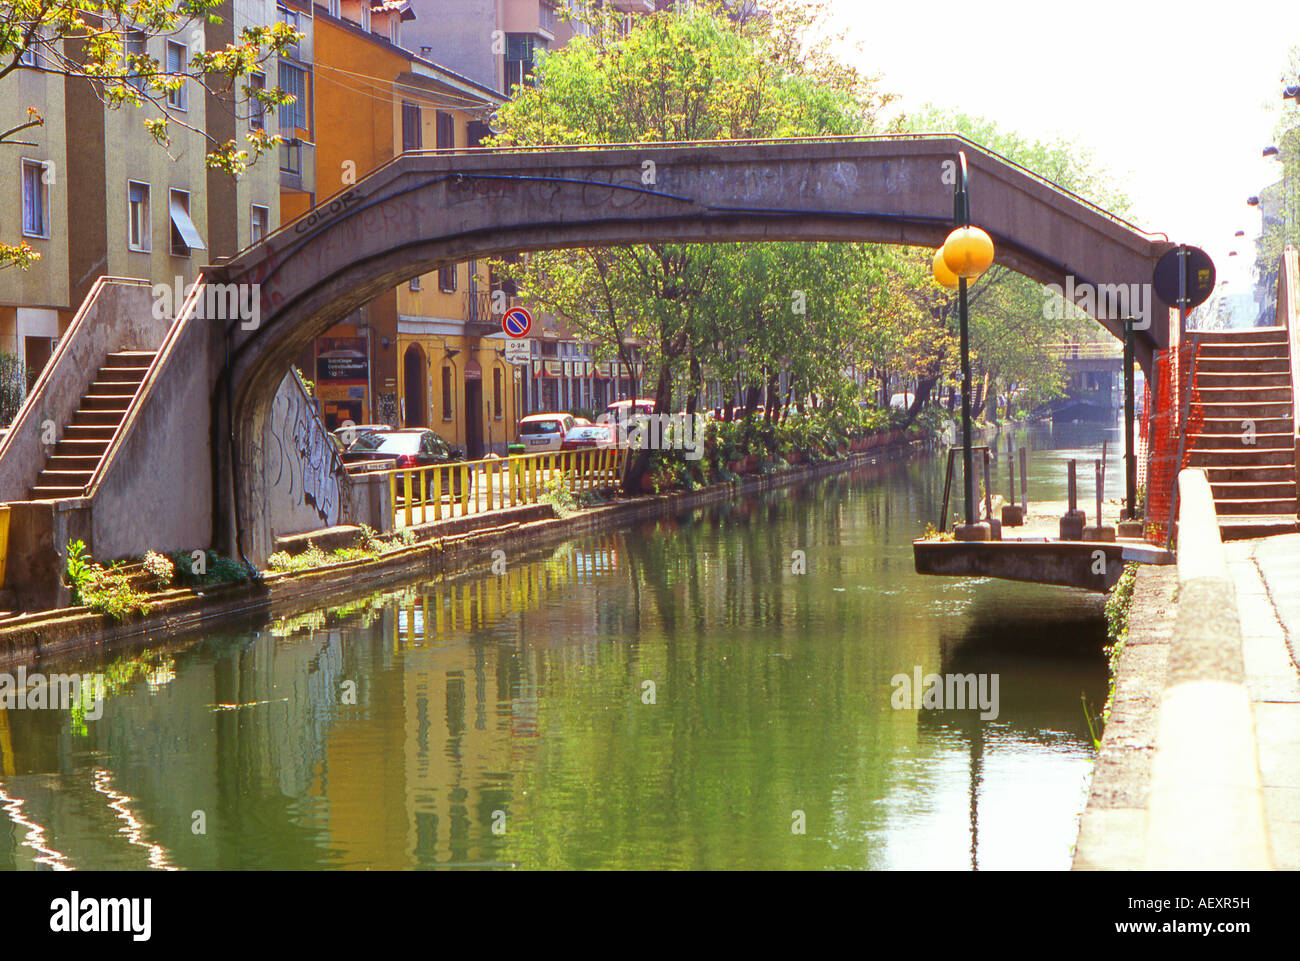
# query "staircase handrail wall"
(63, 382)
(152, 490)
(1288, 316)
(149, 385)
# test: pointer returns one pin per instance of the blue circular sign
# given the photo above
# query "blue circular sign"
(517, 322)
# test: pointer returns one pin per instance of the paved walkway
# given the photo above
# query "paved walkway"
(1266, 573)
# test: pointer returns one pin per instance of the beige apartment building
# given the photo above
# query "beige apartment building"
(95, 195)
(34, 194)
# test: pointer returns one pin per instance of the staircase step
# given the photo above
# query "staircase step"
(121, 375)
(97, 418)
(1244, 456)
(117, 403)
(1245, 379)
(1236, 527)
(1211, 394)
(130, 358)
(40, 493)
(1279, 505)
(75, 447)
(1232, 426)
(69, 462)
(1271, 335)
(1220, 474)
(1263, 442)
(1251, 490)
(1254, 349)
(63, 478)
(1230, 365)
(1253, 409)
(89, 432)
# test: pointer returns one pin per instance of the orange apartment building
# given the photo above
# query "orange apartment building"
(422, 354)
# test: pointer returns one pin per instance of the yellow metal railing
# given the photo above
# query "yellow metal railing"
(444, 491)
(4, 541)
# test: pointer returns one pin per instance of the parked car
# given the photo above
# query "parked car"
(540, 433)
(410, 447)
(625, 410)
(588, 436)
(350, 432)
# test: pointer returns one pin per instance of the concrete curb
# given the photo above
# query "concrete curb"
(1206, 805)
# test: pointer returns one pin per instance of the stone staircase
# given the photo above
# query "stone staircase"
(82, 444)
(1243, 377)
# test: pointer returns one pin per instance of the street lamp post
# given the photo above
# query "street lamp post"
(964, 256)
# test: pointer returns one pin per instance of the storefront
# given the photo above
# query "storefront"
(342, 379)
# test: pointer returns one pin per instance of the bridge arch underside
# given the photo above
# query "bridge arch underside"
(423, 212)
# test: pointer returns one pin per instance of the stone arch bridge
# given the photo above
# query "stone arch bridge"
(219, 380)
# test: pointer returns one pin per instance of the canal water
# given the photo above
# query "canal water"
(717, 690)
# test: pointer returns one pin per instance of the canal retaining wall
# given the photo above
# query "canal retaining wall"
(1176, 785)
(448, 549)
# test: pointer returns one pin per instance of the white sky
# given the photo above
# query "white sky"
(1177, 100)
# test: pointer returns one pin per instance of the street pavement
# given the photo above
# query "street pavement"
(1266, 573)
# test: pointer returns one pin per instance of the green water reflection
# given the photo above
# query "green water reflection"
(503, 720)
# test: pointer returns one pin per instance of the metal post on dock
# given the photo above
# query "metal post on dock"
(988, 487)
(1011, 469)
(1100, 476)
(1074, 520)
(1024, 480)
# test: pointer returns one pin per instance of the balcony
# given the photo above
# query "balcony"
(480, 319)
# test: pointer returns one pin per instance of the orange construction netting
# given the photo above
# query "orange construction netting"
(1165, 439)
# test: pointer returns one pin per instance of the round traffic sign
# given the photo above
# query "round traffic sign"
(517, 322)
(1199, 274)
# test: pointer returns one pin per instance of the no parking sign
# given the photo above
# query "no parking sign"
(517, 322)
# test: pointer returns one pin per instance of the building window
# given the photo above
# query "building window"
(137, 48)
(412, 139)
(291, 156)
(447, 279)
(293, 80)
(185, 236)
(521, 54)
(415, 282)
(36, 200)
(289, 17)
(177, 61)
(256, 109)
(446, 393)
(261, 222)
(446, 131)
(546, 17)
(395, 29)
(498, 394)
(31, 55)
(334, 8)
(139, 235)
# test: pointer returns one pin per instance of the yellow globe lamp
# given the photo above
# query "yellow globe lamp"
(944, 277)
(968, 252)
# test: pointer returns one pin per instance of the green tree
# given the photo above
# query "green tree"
(1011, 332)
(677, 77)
